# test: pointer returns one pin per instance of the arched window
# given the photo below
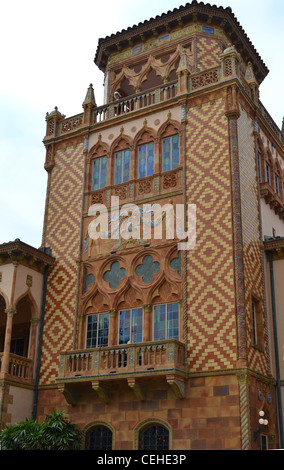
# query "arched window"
(154, 437)
(98, 438)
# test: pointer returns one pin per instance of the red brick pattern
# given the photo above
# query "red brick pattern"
(62, 235)
(211, 327)
(251, 233)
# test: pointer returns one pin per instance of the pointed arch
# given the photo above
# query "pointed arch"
(99, 149)
(96, 302)
(164, 291)
(5, 298)
(130, 297)
(34, 308)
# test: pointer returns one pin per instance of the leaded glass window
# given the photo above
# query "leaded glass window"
(155, 437)
(99, 438)
(170, 153)
(122, 167)
(166, 321)
(267, 173)
(146, 153)
(97, 330)
(99, 173)
(131, 326)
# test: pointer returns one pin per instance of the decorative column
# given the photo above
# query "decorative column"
(32, 345)
(8, 334)
(183, 72)
(113, 327)
(233, 114)
(147, 336)
(243, 380)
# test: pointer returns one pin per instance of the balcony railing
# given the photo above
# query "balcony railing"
(143, 357)
(135, 102)
(20, 368)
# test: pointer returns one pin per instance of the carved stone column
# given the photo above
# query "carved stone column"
(8, 334)
(113, 319)
(147, 333)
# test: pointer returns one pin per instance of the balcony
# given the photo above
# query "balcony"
(20, 369)
(97, 370)
(272, 198)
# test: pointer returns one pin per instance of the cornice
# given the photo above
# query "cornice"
(193, 12)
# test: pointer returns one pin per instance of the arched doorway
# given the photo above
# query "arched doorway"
(98, 437)
(21, 327)
(2, 323)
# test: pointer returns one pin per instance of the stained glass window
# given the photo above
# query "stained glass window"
(130, 326)
(99, 173)
(155, 437)
(97, 330)
(99, 438)
(166, 321)
(146, 157)
(171, 153)
(122, 167)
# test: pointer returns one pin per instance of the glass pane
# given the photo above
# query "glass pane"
(99, 438)
(118, 168)
(126, 166)
(103, 172)
(92, 329)
(137, 325)
(142, 161)
(124, 327)
(150, 158)
(103, 330)
(172, 321)
(96, 174)
(159, 322)
(175, 151)
(166, 154)
(154, 438)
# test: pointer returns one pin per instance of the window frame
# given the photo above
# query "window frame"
(130, 341)
(122, 151)
(151, 142)
(166, 322)
(92, 429)
(256, 322)
(267, 173)
(141, 443)
(171, 152)
(94, 160)
(97, 333)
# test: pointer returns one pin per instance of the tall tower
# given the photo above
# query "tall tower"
(147, 345)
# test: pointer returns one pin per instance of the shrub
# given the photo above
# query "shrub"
(54, 433)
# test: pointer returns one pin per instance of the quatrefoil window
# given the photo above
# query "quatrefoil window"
(175, 264)
(115, 275)
(147, 269)
(89, 280)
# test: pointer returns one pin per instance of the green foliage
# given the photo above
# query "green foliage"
(55, 433)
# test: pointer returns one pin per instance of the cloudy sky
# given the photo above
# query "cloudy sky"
(47, 57)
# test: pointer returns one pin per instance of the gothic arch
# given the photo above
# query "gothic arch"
(5, 298)
(146, 134)
(130, 297)
(121, 142)
(96, 302)
(164, 291)
(32, 302)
